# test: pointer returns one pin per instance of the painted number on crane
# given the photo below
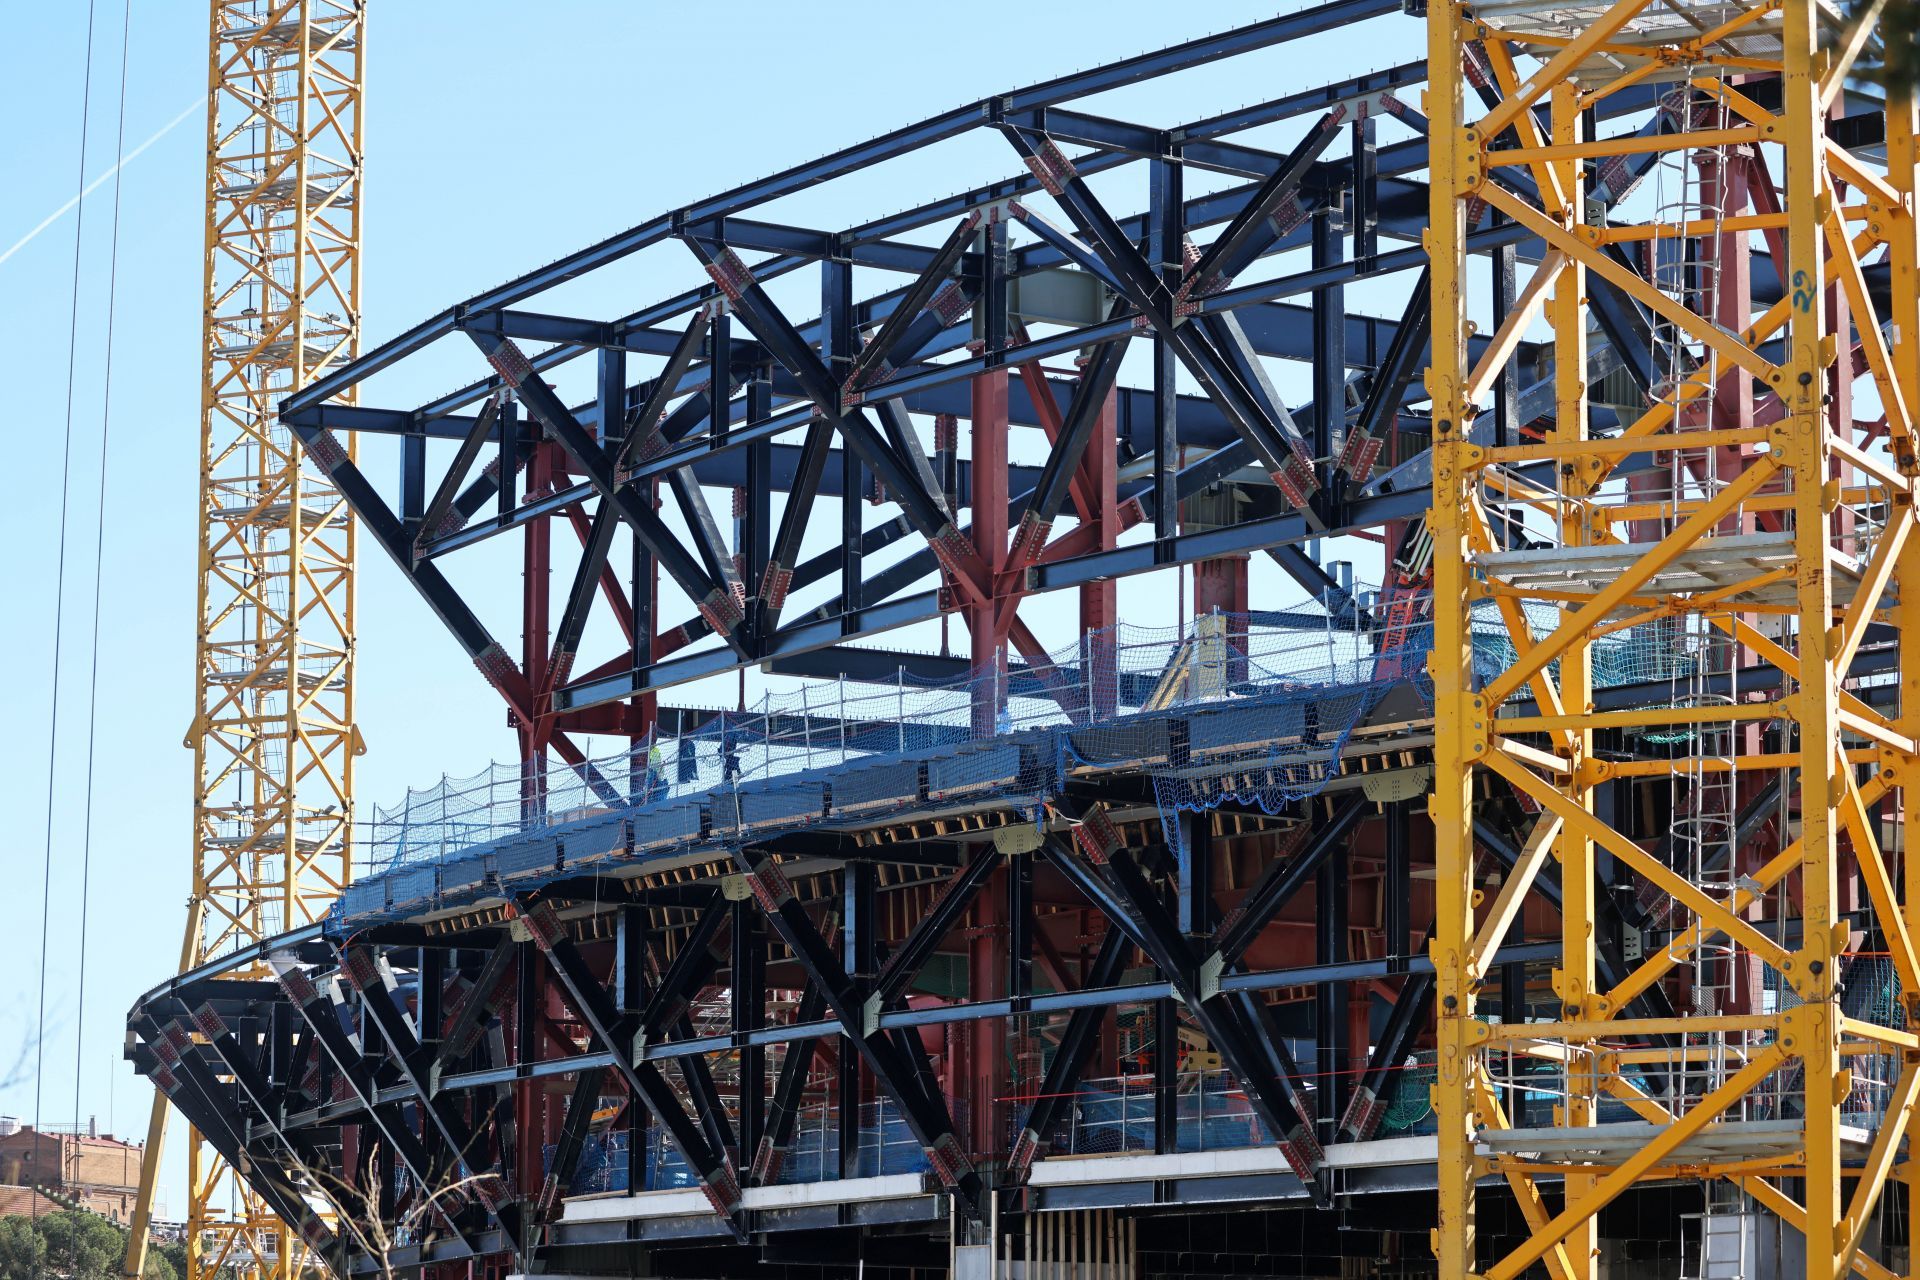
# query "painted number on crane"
(1802, 291)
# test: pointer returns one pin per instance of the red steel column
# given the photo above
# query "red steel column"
(536, 635)
(989, 508)
(990, 1078)
(1099, 601)
(987, 1076)
(646, 623)
(1220, 584)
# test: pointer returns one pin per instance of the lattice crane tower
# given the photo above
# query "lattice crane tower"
(1748, 522)
(273, 735)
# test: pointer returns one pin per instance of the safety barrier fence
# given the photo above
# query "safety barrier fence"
(1302, 680)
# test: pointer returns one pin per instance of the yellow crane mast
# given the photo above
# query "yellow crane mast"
(1749, 526)
(273, 734)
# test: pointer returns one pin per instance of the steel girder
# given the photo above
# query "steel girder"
(421, 1044)
(892, 1059)
(1233, 1020)
(612, 462)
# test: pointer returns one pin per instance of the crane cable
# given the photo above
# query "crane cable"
(59, 591)
(99, 558)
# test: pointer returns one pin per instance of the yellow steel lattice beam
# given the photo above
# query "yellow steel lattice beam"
(273, 732)
(1839, 495)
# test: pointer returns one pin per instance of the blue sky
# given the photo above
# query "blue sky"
(500, 135)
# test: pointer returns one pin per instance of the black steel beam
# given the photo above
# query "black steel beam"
(1090, 393)
(366, 973)
(1121, 893)
(306, 1162)
(746, 980)
(318, 1007)
(879, 352)
(190, 1085)
(784, 1108)
(435, 519)
(1262, 220)
(770, 325)
(613, 1033)
(1406, 1021)
(488, 994)
(893, 1069)
(641, 434)
(580, 595)
(1282, 880)
(573, 1141)
(1035, 1133)
(906, 961)
(1111, 254)
(716, 603)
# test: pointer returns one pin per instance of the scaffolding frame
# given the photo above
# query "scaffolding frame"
(1795, 463)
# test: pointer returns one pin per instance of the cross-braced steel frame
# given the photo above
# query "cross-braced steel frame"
(1774, 529)
(961, 969)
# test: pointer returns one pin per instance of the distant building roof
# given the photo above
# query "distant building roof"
(25, 1202)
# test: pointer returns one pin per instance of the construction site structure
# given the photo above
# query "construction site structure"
(1768, 529)
(1007, 932)
(273, 731)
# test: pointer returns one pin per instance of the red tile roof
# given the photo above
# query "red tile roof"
(23, 1202)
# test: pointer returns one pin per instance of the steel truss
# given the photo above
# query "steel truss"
(1750, 422)
(823, 409)
(401, 1058)
(453, 1070)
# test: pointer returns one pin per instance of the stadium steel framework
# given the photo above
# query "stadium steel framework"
(591, 1043)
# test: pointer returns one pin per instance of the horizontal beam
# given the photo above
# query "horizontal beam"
(972, 1011)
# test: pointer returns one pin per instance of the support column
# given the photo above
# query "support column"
(1166, 1077)
(1903, 151)
(1099, 601)
(1455, 707)
(1331, 999)
(1574, 979)
(1813, 1028)
(748, 978)
(1165, 246)
(644, 591)
(1023, 1073)
(988, 978)
(1220, 585)
(1193, 874)
(987, 652)
(536, 635)
(753, 504)
(1329, 328)
(1397, 907)
(858, 955)
(836, 324)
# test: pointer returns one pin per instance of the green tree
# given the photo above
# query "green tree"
(73, 1246)
(160, 1266)
(23, 1251)
(1900, 34)
(173, 1253)
(80, 1245)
